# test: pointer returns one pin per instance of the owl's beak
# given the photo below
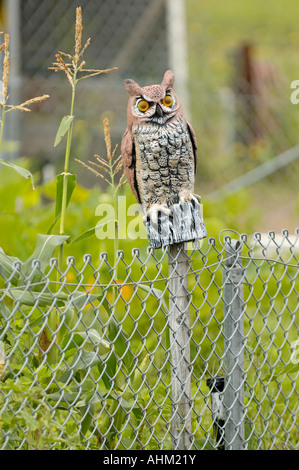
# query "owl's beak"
(159, 111)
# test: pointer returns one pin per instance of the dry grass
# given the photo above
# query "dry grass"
(107, 168)
(72, 65)
(5, 79)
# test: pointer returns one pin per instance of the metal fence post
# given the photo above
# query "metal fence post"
(179, 332)
(233, 399)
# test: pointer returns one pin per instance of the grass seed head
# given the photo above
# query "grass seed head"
(24, 106)
(5, 79)
(107, 137)
(108, 168)
(78, 34)
(73, 69)
(5, 68)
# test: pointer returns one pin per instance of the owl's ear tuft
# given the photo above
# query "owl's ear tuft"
(132, 87)
(168, 80)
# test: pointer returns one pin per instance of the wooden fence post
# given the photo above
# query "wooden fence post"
(179, 332)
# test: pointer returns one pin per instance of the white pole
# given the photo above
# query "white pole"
(13, 26)
(178, 49)
(233, 399)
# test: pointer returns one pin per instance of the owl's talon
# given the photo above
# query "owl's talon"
(174, 199)
(152, 214)
(186, 196)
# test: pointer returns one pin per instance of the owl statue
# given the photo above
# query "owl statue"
(159, 153)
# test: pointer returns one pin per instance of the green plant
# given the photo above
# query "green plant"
(73, 67)
(74, 71)
(108, 169)
(28, 422)
(101, 389)
(61, 325)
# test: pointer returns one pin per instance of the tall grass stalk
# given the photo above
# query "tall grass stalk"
(65, 174)
(73, 67)
(108, 169)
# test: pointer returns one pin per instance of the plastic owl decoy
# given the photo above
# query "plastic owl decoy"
(159, 152)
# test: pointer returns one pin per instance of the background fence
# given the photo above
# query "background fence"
(193, 349)
(233, 67)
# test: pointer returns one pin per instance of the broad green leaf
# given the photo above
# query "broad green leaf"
(119, 338)
(87, 394)
(88, 233)
(86, 359)
(68, 320)
(7, 269)
(107, 371)
(37, 322)
(156, 293)
(288, 369)
(65, 399)
(82, 360)
(43, 252)
(139, 372)
(53, 225)
(30, 298)
(74, 394)
(22, 171)
(93, 318)
(29, 421)
(87, 412)
(4, 311)
(92, 339)
(81, 299)
(64, 126)
(71, 183)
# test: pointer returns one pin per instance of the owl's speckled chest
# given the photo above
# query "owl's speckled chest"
(164, 161)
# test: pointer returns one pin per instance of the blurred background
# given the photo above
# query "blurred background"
(234, 63)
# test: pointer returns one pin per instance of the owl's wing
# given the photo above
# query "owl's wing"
(129, 162)
(194, 143)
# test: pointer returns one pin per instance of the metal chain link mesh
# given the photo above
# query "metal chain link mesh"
(102, 374)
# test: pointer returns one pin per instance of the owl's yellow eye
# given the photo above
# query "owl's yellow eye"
(143, 106)
(168, 100)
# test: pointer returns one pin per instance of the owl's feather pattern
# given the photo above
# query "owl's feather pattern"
(164, 162)
(159, 151)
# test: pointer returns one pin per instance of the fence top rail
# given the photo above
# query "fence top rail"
(260, 248)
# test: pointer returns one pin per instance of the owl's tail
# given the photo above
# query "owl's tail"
(185, 223)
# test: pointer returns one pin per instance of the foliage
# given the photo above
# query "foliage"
(59, 325)
(90, 329)
(27, 422)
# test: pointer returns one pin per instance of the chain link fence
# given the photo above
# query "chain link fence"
(244, 118)
(164, 349)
